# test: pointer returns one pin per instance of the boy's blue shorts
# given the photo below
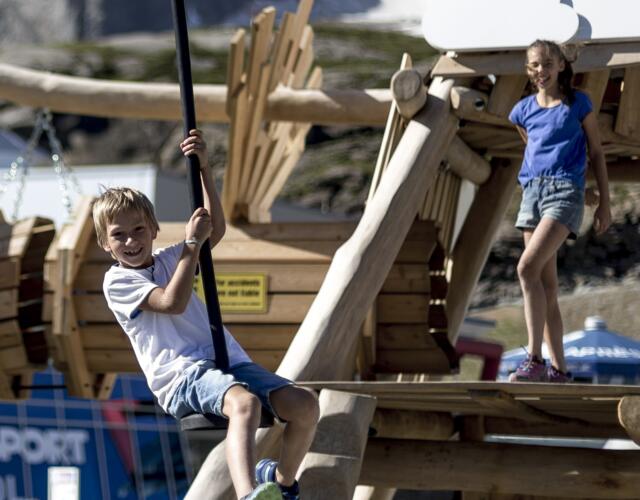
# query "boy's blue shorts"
(203, 387)
(556, 198)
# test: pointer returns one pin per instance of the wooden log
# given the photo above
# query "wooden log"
(409, 92)
(628, 120)
(475, 240)
(331, 468)
(469, 104)
(629, 416)
(502, 468)
(395, 424)
(161, 101)
(234, 70)
(592, 58)
(9, 272)
(621, 171)
(511, 426)
(326, 342)
(370, 493)
(466, 163)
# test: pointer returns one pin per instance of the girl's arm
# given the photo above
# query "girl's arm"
(602, 216)
(523, 133)
(195, 144)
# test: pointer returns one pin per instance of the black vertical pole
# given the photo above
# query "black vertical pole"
(196, 194)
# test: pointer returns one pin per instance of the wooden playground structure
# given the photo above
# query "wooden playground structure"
(382, 299)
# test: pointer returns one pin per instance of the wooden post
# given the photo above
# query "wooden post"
(475, 240)
(329, 334)
(502, 468)
(629, 416)
(409, 92)
(370, 493)
(505, 93)
(332, 467)
(396, 424)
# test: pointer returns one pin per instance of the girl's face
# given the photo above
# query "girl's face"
(543, 68)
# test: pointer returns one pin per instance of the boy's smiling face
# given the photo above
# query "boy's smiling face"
(130, 239)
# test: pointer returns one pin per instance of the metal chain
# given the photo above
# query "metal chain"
(19, 168)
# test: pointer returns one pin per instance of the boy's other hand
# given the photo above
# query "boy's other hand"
(199, 226)
(195, 145)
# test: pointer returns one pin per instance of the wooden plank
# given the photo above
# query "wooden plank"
(510, 407)
(404, 337)
(304, 61)
(9, 273)
(13, 359)
(296, 38)
(235, 155)
(234, 69)
(594, 84)
(282, 308)
(592, 58)
(8, 303)
(261, 33)
(104, 385)
(628, 120)
(403, 308)
(282, 46)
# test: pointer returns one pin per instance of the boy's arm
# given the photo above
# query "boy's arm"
(602, 216)
(173, 298)
(195, 144)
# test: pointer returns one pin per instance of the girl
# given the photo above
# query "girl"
(558, 127)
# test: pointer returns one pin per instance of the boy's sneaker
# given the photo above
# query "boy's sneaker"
(558, 377)
(264, 491)
(532, 369)
(266, 472)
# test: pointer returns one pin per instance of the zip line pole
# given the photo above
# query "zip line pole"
(195, 191)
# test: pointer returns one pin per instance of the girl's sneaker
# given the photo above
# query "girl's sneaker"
(558, 377)
(532, 369)
(265, 491)
(266, 472)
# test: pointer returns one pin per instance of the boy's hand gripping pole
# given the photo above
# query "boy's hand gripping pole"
(196, 194)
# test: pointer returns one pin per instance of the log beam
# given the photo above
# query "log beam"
(629, 416)
(161, 101)
(409, 92)
(501, 468)
(620, 171)
(592, 58)
(471, 105)
(475, 240)
(331, 468)
(466, 163)
(408, 424)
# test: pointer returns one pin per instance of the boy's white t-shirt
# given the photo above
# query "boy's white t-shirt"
(165, 344)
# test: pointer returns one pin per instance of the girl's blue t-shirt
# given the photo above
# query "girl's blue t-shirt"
(556, 143)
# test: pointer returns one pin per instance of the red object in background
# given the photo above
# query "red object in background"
(491, 352)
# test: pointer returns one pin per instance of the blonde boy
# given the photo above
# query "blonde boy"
(151, 295)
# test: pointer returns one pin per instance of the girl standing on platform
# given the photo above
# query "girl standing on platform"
(560, 130)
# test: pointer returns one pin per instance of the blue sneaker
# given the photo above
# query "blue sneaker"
(265, 491)
(266, 472)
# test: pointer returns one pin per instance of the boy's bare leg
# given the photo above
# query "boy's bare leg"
(243, 410)
(299, 407)
(553, 329)
(540, 246)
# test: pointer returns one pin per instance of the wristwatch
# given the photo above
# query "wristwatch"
(191, 241)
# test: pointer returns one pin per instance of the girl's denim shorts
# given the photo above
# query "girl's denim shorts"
(559, 199)
(203, 387)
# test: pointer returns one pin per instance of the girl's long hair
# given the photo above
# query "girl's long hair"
(565, 77)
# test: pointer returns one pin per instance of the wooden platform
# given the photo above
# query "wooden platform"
(570, 410)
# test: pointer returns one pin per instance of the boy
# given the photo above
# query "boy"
(151, 295)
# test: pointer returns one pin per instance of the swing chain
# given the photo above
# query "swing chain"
(19, 168)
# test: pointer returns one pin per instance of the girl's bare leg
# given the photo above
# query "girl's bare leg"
(541, 245)
(553, 329)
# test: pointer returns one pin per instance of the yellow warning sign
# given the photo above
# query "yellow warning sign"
(238, 292)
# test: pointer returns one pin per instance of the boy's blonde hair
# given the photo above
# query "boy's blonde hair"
(116, 200)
